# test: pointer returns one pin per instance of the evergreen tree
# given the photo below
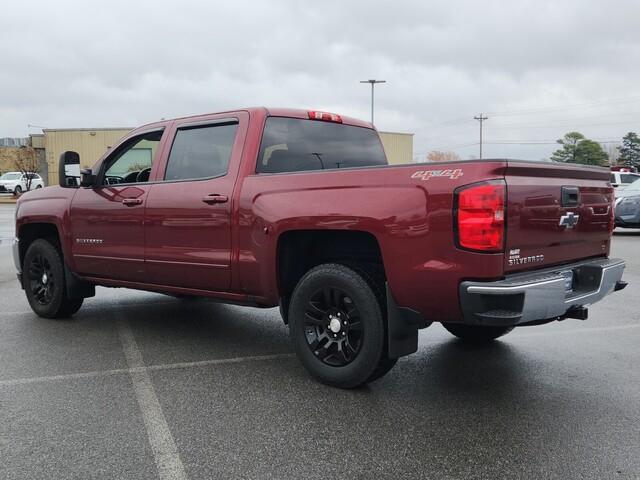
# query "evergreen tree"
(630, 150)
(568, 151)
(578, 149)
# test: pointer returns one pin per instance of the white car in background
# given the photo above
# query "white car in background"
(16, 182)
(620, 180)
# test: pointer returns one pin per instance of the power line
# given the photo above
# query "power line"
(556, 108)
(534, 111)
(531, 142)
(566, 125)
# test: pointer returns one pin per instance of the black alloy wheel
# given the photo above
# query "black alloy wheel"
(337, 325)
(332, 327)
(44, 281)
(41, 279)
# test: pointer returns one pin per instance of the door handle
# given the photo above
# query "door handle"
(215, 198)
(130, 202)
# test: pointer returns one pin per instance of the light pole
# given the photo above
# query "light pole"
(373, 84)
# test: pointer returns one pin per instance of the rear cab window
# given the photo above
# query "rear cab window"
(294, 145)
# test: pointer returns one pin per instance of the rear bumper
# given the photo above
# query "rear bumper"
(539, 295)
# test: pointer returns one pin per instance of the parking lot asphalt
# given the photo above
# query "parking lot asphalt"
(7, 225)
(140, 385)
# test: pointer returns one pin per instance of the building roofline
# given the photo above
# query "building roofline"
(398, 133)
(98, 129)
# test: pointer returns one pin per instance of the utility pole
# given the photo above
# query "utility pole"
(481, 119)
(373, 84)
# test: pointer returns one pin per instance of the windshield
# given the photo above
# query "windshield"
(11, 176)
(632, 189)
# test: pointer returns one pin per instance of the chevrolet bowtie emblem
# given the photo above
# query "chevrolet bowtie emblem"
(569, 220)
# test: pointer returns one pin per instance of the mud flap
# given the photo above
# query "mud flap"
(402, 328)
(77, 288)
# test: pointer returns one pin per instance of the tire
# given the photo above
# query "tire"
(38, 186)
(337, 327)
(17, 190)
(44, 282)
(475, 333)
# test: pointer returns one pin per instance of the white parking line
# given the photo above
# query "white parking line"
(87, 308)
(572, 331)
(162, 443)
(66, 376)
(119, 371)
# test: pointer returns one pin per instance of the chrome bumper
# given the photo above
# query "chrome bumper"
(540, 295)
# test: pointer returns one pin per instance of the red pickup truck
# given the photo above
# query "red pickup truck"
(268, 207)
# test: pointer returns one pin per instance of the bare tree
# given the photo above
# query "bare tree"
(437, 156)
(26, 162)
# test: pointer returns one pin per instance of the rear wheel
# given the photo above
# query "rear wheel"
(337, 326)
(44, 282)
(476, 333)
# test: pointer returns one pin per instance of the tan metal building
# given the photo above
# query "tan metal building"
(398, 147)
(90, 143)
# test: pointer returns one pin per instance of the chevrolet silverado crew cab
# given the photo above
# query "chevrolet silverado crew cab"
(268, 207)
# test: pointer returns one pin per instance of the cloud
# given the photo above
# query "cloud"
(76, 64)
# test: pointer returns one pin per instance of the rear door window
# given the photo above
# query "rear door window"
(293, 145)
(201, 152)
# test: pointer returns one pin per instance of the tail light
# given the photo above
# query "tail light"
(324, 116)
(479, 212)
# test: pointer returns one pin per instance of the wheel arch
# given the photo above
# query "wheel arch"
(298, 251)
(29, 232)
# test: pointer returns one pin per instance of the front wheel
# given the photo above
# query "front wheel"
(476, 333)
(337, 326)
(18, 190)
(44, 282)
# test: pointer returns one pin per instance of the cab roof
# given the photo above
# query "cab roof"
(271, 112)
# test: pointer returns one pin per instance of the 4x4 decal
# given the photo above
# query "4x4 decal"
(427, 174)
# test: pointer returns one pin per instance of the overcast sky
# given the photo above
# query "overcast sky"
(537, 68)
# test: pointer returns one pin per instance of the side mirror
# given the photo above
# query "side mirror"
(87, 178)
(69, 169)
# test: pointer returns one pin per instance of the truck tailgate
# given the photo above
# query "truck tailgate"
(556, 213)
